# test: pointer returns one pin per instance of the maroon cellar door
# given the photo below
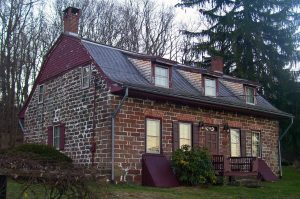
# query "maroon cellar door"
(157, 171)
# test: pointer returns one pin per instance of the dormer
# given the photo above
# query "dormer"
(250, 94)
(210, 81)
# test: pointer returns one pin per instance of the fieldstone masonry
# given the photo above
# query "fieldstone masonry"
(76, 107)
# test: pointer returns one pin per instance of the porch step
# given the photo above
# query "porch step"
(265, 171)
(157, 171)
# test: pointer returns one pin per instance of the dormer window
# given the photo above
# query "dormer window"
(250, 95)
(210, 87)
(161, 76)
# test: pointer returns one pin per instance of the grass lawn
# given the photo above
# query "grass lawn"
(287, 187)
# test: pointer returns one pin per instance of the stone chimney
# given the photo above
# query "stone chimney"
(71, 20)
(217, 64)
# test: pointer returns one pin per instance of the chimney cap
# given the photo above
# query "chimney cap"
(73, 10)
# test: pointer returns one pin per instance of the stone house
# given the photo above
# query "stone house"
(106, 107)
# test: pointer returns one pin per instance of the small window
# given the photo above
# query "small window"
(162, 77)
(256, 144)
(249, 91)
(85, 76)
(153, 136)
(210, 87)
(185, 134)
(41, 94)
(56, 137)
(235, 142)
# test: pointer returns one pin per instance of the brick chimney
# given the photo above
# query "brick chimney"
(217, 64)
(71, 20)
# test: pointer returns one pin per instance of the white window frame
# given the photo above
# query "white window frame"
(246, 95)
(41, 94)
(59, 134)
(158, 136)
(259, 144)
(88, 76)
(190, 133)
(239, 131)
(206, 87)
(161, 76)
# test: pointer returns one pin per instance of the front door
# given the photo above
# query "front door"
(212, 139)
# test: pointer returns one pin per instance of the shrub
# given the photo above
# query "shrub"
(39, 152)
(193, 166)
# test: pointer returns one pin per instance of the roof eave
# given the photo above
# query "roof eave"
(136, 92)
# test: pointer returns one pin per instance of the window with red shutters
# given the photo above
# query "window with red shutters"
(56, 136)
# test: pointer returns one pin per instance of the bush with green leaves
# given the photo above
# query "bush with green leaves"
(38, 152)
(193, 166)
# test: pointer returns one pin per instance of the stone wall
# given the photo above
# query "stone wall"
(76, 107)
(130, 130)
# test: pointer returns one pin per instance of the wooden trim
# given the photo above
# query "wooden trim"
(160, 134)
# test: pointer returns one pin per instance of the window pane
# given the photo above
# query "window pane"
(249, 95)
(235, 143)
(85, 76)
(210, 87)
(185, 134)
(153, 136)
(159, 71)
(161, 76)
(41, 93)
(256, 144)
(56, 137)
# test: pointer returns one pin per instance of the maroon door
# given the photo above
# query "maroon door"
(212, 140)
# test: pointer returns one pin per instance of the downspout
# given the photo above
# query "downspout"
(113, 117)
(279, 145)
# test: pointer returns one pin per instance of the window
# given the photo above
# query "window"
(185, 134)
(162, 77)
(256, 143)
(210, 87)
(85, 76)
(235, 142)
(249, 92)
(152, 136)
(56, 137)
(41, 94)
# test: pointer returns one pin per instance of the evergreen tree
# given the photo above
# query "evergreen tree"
(258, 40)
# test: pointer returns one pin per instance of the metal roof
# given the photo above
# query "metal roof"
(116, 66)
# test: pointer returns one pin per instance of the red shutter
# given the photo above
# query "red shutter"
(196, 135)
(50, 135)
(175, 135)
(243, 143)
(62, 137)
